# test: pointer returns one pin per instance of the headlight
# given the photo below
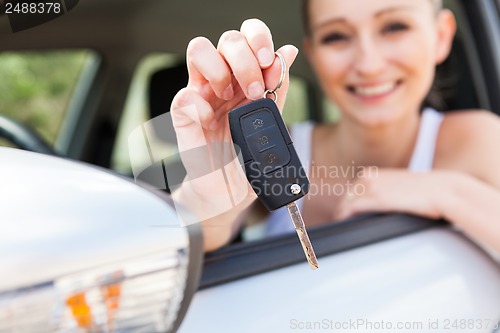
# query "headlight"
(139, 295)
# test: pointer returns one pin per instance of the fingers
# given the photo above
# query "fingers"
(191, 114)
(206, 64)
(236, 51)
(248, 55)
(346, 208)
(260, 40)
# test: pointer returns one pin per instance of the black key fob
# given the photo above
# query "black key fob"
(271, 163)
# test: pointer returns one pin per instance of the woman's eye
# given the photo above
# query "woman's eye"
(395, 27)
(335, 37)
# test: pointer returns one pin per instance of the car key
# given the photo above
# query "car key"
(271, 163)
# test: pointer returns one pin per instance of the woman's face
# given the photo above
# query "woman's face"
(376, 59)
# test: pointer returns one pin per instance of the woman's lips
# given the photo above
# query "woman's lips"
(374, 90)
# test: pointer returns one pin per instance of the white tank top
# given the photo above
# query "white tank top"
(421, 160)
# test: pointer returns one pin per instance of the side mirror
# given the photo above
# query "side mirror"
(82, 250)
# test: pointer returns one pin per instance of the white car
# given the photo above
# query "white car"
(83, 248)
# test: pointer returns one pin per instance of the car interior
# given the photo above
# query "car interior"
(131, 64)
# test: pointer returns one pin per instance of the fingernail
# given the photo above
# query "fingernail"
(255, 90)
(228, 93)
(265, 57)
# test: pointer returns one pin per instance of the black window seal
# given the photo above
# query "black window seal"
(247, 259)
(480, 18)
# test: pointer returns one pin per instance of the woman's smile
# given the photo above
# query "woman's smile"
(374, 92)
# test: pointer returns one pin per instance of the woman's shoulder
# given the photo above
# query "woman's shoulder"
(476, 115)
(469, 140)
(472, 125)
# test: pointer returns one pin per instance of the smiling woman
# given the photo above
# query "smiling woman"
(397, 268)
(376, 61)
(399, 39)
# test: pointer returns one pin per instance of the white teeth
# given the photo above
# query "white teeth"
(375, 90)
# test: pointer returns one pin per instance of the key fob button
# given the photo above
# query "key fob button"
(273, 159)
(265, 139)
(257, 121)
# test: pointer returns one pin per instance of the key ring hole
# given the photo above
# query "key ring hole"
(271, 92)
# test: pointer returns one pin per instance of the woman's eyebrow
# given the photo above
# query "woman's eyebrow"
(329, 21)
(377, 14)
(393, 9)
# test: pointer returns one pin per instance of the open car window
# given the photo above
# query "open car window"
(37, 88)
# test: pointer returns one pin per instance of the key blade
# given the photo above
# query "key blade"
(300, 227)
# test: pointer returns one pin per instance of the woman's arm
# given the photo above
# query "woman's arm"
(472, 205)
(465, 188)
(220, 218)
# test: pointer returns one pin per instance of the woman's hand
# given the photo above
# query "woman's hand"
(393, 190)
(239, 70)
(221, 78)
(467, 202)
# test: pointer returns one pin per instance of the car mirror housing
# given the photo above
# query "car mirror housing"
(83, 250)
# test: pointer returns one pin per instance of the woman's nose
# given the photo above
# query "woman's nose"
(369, 60)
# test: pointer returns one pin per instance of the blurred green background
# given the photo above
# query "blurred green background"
(35, 87)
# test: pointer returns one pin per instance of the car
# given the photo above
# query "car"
(78, 242)
(91, 241)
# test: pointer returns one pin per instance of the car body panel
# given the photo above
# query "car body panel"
(431, 275)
